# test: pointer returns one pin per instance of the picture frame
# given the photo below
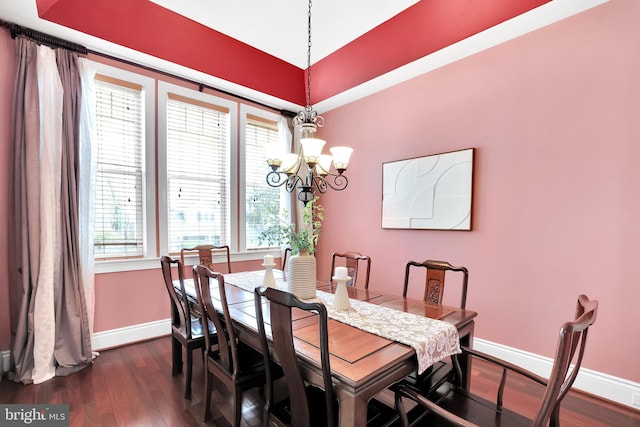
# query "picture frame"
(431, 192)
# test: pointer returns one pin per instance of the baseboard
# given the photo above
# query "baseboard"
(112, 338)
(130, 334)
(599, 384)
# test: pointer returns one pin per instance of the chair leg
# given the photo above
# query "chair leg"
(554, 420)
(237, 406)
(187, 383)
(402, 413)
(207, 394)
(176, 356)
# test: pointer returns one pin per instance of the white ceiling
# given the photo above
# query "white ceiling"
(279, 27)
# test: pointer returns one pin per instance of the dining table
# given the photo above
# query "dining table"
(363, 363)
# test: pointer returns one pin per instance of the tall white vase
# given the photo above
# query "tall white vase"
(301, 275)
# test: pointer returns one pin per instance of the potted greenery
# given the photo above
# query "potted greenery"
(301, 268)
(303, 238)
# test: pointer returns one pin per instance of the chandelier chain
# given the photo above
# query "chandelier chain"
(309, 57)
(315, 177)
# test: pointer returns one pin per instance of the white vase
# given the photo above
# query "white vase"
(301, 275)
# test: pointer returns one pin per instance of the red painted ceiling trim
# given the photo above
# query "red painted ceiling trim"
(44, 5)
(424, 28)
(146, 27)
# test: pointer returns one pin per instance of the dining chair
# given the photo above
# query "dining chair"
(285, 255)
(433, 293)
(233, 363)
(306, 405)
(452, 404)
(205, 255)
(434, 284)
(186, 331)
(351, 260)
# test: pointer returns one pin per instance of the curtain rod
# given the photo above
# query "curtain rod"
(42, 38)
(55, 42)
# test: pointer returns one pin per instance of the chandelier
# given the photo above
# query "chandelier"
(308, 171)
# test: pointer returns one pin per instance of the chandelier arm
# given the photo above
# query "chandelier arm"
(292, 182)
(340, 182)
(278, 179)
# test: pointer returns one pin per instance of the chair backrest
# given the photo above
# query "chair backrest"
(568, 359)
(205, 255)
(434, 284)
(285, 255)
(280, 306)
(351, 261)
(226, 336)
(180, 307)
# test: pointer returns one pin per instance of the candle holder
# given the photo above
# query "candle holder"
(269, 281)
(341, 297)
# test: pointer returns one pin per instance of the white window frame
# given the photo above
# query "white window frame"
(245, 110)
(150, 259)
(164, 89)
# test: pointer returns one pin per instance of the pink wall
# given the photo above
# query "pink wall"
(553, 116)
(135, 297)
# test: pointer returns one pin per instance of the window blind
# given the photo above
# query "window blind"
(260, 197)
(119, 213)
(197, 173)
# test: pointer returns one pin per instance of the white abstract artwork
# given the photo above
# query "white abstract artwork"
(431, 192)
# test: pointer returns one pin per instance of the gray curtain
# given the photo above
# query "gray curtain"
(72, 346)
(24, 220)
(73, 338)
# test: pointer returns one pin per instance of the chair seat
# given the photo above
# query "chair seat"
(251, 370)
(197, 332)
(470, 407)
(281, 410)
(378, 414)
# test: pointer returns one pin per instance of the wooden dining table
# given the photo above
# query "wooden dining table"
(362, 364)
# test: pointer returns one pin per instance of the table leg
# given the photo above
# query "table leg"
(466, 339)
(353, 411)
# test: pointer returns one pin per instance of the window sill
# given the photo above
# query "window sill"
(115, 266)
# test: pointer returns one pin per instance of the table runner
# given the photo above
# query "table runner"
(432, 339)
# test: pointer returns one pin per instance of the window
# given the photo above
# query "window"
(197, 136)
(211, 171)
(121, 217)
(212, 164)
(260, 198)
(198, 175)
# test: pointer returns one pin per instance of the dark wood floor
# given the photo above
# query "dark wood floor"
(133, 386)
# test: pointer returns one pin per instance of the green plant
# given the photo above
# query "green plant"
(282, 232)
